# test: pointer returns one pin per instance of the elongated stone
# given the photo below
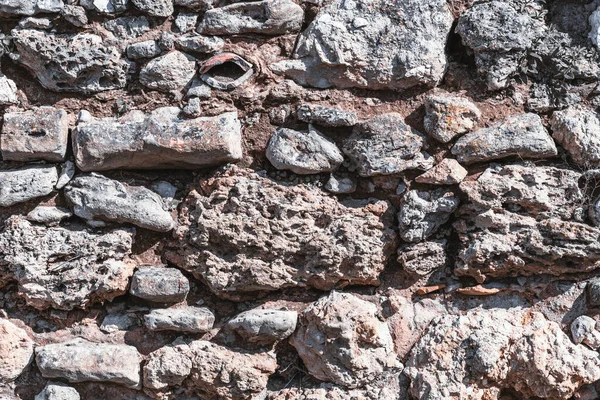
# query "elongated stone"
(157, 140)
(20, 185)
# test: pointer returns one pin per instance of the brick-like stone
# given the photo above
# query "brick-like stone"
(164, 285)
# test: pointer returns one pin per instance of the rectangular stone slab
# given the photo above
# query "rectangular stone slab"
(157, 140)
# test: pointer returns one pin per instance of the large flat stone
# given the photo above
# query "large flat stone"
(24, 184)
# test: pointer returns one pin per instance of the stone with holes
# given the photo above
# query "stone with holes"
(30, 7)
(155, 8)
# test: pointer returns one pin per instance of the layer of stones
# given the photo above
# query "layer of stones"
(299, 199)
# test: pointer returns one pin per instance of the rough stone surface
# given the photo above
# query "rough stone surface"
(341, 340)
(292, 245)
(326, 116)
(593, 292)
(447, 172)
(173, 71)
(199, 44)
(23, 184)
(303, 152)
(49, 215)
(70, 63)
(267, 17)
(372, 44)
(340, 185)
(81, 361)
(521, 135)
(8, 91)
(423, 258)
(478, 354)
(155, 8)
(264, 325)
(65, 268)
(16, 351)
(578, 131)
(58, 391)
(30, 7)
(162, 285)
(94, 197)
(105, 6)
(146, 49)
(159, 139)
(184, 319)
(385, 145)
(448, 117)
(167, 366)
(583, 330)
(40, 134)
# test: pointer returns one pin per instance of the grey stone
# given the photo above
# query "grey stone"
(65, 268)
(67, 172)
(594, 21)
(196, 5)
(593, 292)
(97, 197)
(57, 391)
(186, 22)
(30, 7)
(75, 15)
(267, 17)
(385, 145)
(264, 325)
(326, 116)
(155, 8)
(173, 71)
(447, 172)
(164, 285)
(303, 152)
(376, 45)
(127, 28)
(449, 116)
(199, 44)
(199, 89)
(340, 185)
(105, 6)
(119, 322)
(82, 361)
(16, 351)
(183, 319)
(39, 134)
(578, 131)
(27, 183)
(8, 91)
(49, 215)
(165, 190)
(70, 63)
(146, 49)
(422, 213)
(167, 366)
(583, 330)
(520, 135)
(423, 258)
(35, 23)
(157, 140)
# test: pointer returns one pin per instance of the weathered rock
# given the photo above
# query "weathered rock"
(82, 361)
(385, 145)
(186, 22)
(95, 197)
(578, 131)
(422, 213)
(267, 17)
(341, 340)
(197, 5)
(49, 215)
(303, 152)
(128, 28)
(296, 236)
(449, 116)
(75, 15)
(70, 63)
(57, 391)
(199, 44)
(65, 268)
(16, 351)
(340, 185)
(158, 284)
(67, 172)
(121, 321)
(264, 325)
(167, 366)
(155, 8)
(519, 221)
(181, 319)
(520, 135)
(593, 292)
(8, 91)
(500, 36)
(40, 134)
(477, 355)
(372, 44)
(594, 21)
(173, 71)
(24, 184)
(583, 330)
(423, 258)
(447, 172)
(30, 7)
(105, 6)
(326, 116)
(146, 49)
(157, 140)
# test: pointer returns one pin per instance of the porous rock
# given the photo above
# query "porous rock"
(27, 183)
(341, 340)
(447, 172)
(16, 351)
(583, 330)
(199, 44)
(181, 319)
(155, 8)
(105, 6)
(423, 258)
(145, 49)
(578, 131)
(173, 71)
(264, 325)
(449, 116)
(326, 116)
(65, 268)
(30, 7)
(57, 391)
(158, 284)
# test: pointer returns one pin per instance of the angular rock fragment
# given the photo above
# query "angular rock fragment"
(40, 134)
(267, 17)
(520, 135)
(30, 7)
(16, 351)
(167, 366)
(75, 15)
(447, 172)
(83, 361)
(449, 116)
(157, 140)
(155, 8)
(340, 185)
(594, 21)
(173, 71)
(422, 213)
(57, 391)
(186, 22)
(199, 44)
(264, 325)
(119, 322)
(128, 28)
(183, 319)
(326, 116)
(303, 152)
(376, 45)
(385, 145)
(105, 6)
(578, 131)
(583, 330)
(197, 5)
(249, 234)
(67, 172)
(8, 91)
(94, 197)
(65, 268)
(341, 340)
(146, 49)
(49, 215)
(593, 292)
(158, 284)
(479, 354)
(70, 63)
(24, 184)
(423, 258)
